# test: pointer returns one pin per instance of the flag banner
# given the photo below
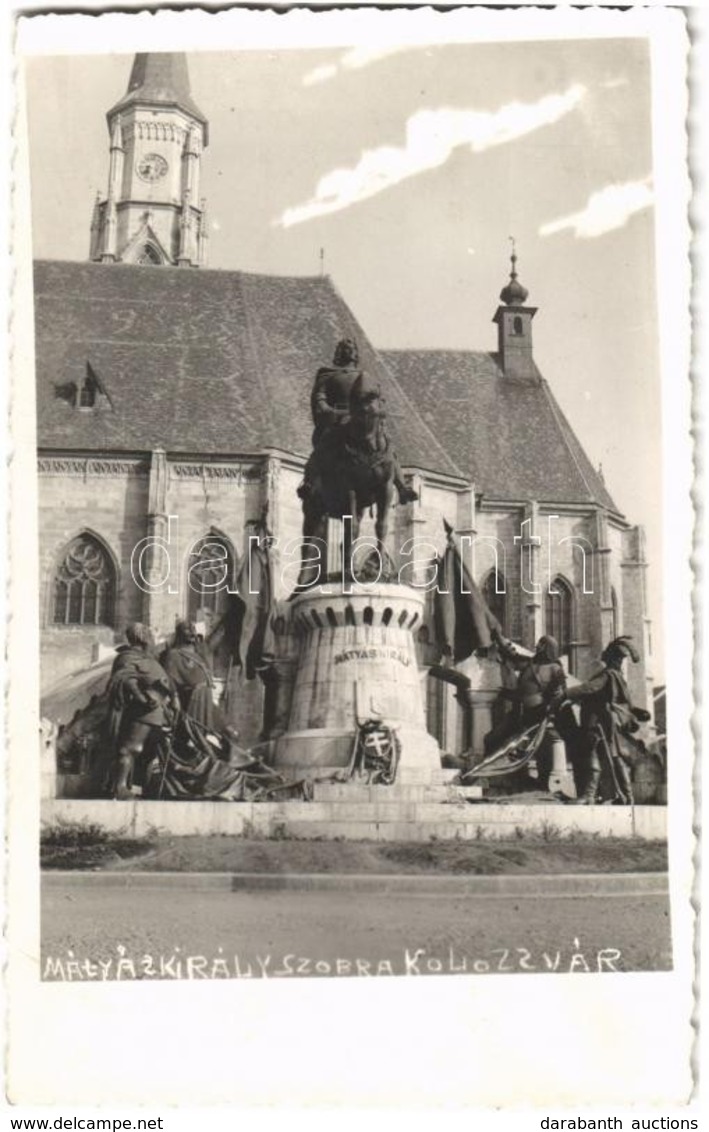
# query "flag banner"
(245, 623)
(463, 622)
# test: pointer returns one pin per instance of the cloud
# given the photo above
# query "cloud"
(320, 74)
(358, 57)
(606, 210)
(431, 138)
(613, 84)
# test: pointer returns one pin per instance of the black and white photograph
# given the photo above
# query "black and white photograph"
(354, 435)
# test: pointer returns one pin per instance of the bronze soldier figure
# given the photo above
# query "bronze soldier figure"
(541, 684)
(190, 672)
(330, 408)
(608, 718)
(142, 706)
(188, 666)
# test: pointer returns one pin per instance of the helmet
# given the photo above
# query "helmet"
(346, 353)
(185, 632)
(138, 634)
(618, 649)
(547, 650)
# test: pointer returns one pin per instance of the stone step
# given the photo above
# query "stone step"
(388, 830)
(424, 776)
(398, 792)
(380, 811)
(370, 821)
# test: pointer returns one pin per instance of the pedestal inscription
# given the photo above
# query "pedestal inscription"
(356, 661)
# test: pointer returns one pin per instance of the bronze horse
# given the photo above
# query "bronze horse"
(359, 470)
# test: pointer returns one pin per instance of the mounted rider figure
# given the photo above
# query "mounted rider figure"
(331, 404)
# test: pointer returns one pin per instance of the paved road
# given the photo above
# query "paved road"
(186, 932)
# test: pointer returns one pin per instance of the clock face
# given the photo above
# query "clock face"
(151, 167)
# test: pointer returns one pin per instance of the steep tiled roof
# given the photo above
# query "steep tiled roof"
(510, 437)
(213, 362)
(160, 77)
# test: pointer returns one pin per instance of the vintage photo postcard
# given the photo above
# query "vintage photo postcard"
(351, 753)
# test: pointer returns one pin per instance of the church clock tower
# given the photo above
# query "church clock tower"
(153, 213)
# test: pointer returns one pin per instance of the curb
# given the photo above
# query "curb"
(522, 885)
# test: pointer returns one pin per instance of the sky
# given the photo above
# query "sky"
(411, 168)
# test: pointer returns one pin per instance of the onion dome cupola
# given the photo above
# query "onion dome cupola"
(514, 328)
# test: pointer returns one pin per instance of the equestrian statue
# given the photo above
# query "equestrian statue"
(353, 464)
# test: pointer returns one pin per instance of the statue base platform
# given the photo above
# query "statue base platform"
(353, 812)
(356, 662)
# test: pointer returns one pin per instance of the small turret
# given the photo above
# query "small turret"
(514, 328)
(513, 294)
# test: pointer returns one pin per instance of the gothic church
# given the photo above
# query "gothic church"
(173, 406)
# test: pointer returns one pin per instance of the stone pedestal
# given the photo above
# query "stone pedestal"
(48, 759)
(481, 704)
(356, 661)
(480, 700)
(561, 779)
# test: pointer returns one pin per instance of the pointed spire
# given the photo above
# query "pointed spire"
(513, 293)
(203, 219)
(192, 142)
(96, 214)
(160, 78)
(203, 234)
(108, 251)
(95, 231)
(117, 134)
(161, 73)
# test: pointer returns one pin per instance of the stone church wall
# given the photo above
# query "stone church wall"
(495, 549)
(218, 500)
(109, 500)
(635, 620)
(201, 501)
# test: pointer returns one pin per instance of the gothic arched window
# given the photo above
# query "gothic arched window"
(517, 325)
(559, 614)
(211, 573)
(494, 592)
(85, 585)
(149, 255)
